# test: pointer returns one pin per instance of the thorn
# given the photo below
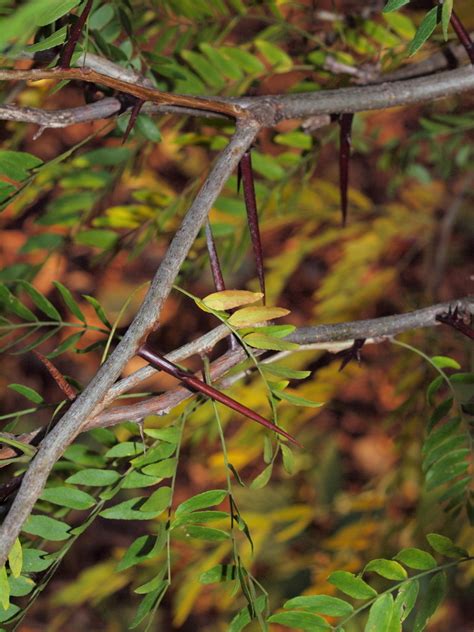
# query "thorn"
(252, 216)
(239, 177)
(352, 354)
(217, 271)
(39, 132)
(214, 259)
(345, 124)
(463, 35)
(68, 49)
(137, 106)
(65, 387)
(195, 384)
(454, 319)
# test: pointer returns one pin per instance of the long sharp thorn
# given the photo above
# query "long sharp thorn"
(216, 270)
(68, 48)
(214, 259)
(57, 376)
(239, 176)
(353, 353)
(252, 216)
(345, 125)
(454, 320)
(133, 117)
(463, 35)
(195, 384)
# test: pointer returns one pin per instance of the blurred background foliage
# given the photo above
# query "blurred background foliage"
(96, 215)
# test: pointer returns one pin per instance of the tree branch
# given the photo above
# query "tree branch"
(91, 400)
(61, 118)
(269, 110)
(332, 338)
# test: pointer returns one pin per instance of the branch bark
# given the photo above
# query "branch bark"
(269, 110)
(91, 401)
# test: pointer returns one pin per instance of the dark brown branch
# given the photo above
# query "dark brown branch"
(142, 92)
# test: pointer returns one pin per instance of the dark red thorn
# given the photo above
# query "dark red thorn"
(252, 216)
(137, 106)
(216, 271)
(353, 353)
(57, 376)
(214, 259)
(195, 384)
(345, 124)
(239, 177)
(463, 35)
(454, 320)
(68, 49)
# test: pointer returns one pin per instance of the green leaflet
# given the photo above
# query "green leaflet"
(351, 585)
(416, 558)
(323, 604)
(94, 477)
(47, 528)
(433, 598)
(301, 620)
(425, 29)
(201, 501)
(380, 614)
(393, 5)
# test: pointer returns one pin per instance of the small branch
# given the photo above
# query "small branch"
(333, 338)
(61, 118)
(142, 92)
(377, 328)
(91, 401)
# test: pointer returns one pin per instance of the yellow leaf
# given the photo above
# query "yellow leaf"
(248, 316)
(228, 299)
(15, 558)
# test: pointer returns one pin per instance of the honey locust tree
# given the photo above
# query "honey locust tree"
(157, 156)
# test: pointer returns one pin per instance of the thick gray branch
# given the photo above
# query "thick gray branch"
(91, 400)
(269, 110)
(372, 97)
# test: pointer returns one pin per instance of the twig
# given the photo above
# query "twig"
(332, 338)
(142, 92)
